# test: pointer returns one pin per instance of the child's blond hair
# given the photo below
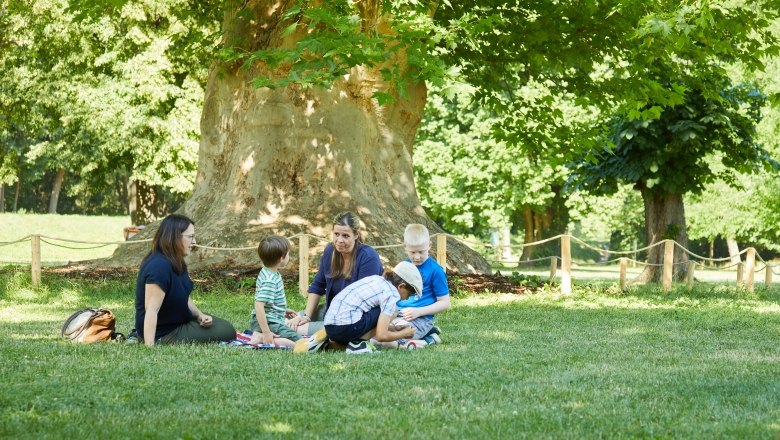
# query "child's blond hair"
(416, 234)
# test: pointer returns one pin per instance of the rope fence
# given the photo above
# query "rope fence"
(745, 271)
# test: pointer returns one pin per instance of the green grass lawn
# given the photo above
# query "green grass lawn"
(103, 229)
(701, 364)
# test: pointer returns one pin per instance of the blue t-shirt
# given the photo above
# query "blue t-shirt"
(367, 263)
(434, 281)
(174, 310)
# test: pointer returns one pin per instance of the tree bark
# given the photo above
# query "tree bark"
(2, 197)
(55, 191)
(733, 250)
(285, 161)
(143, 203)
(132, 202)
(16, 196)
(664, 219)
(506, 244)
(529, 236)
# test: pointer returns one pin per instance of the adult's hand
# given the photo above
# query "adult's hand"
(205, 320)
(407, 333)
(296, 322)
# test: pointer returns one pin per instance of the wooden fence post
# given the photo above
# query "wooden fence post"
(691, 270)
(740, 270)
(553, 267)
(768, 275)
(623, 265)
(35, 247)
(750, 267)
(303, 265)
(668, 265)
(566, 264)
(441, 250)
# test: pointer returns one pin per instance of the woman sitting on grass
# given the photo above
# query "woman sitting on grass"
(164, 311)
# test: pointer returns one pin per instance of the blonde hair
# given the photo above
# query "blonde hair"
(338, 268)
(416, 234)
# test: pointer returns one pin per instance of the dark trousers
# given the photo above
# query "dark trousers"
(192, 332)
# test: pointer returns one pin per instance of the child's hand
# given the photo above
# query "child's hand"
(290, 314)
(407, 333)
(410, 313)
(268, 338)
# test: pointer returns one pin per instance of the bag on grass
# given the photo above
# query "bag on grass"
(90, 325)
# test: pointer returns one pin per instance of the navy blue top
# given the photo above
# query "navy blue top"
(367, 263)
(174, 310)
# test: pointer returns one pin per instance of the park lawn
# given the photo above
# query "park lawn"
(700, 364)
(95, 229)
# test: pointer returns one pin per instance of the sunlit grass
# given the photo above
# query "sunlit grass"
(100, 229)
(597, 363)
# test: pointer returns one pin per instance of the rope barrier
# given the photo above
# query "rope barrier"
(631, 260)
(106, 243)
(518, 262)
(616, 252)
(72, 247)
(211, 248)
(388, 246)
(765, 262)
(709, 259)
(600, 263)
(6, 243)
(46, 239)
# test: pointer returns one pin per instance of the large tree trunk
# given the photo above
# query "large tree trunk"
(540, 225)
(2, 197)
(733, 250)
(55, 191)
(286, 161)
(664, 219)
(529, 235)
(142, 202)
(16, 195)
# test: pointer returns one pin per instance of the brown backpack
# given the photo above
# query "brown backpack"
(90, 325)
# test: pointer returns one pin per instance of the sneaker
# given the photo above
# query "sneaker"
(361, 347)
(434, 331)
(432, 338)
(315, 342)
(132, 337)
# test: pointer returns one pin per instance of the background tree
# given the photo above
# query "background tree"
(106, 106)
(667, 157)
(280, 157)
(470, 183)
(317, 64)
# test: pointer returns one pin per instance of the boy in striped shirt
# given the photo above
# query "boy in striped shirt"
(268, 322)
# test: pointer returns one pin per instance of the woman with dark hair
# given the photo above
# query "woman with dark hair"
(343, 262)
(164, 311)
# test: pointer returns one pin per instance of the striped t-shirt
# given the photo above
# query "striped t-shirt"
(360, 297)
(269, 288)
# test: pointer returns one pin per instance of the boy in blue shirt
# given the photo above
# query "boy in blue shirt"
(418, 311)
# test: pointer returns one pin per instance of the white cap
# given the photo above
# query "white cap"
(409, 273)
